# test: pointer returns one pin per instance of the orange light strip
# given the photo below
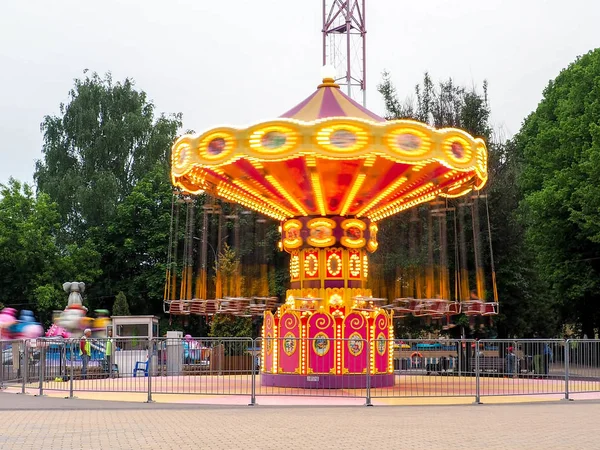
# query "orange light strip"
(397, 209)
(316, 183)
(360, 179)
(229, 193)
(391, 188)
(311, 163)
(398, 205)
(460, 194)
(421, 196)
(271, 179)
(257, 194)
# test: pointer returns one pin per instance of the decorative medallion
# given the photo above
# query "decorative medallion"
(355, 344)
(182, 155)
(381, 344)
(408, 142)
(342, 139)
(321, 232)
(291, 234)
(458, 150)
(273, 140)
(216, 146)
(321, 344)
(353, 236)
(289, 344)
(354, 233)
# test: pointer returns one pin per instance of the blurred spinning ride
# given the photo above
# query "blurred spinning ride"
(330, 171)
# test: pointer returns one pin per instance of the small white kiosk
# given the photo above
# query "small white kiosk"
(132, 336)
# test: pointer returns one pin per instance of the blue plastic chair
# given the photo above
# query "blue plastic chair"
(140, 367)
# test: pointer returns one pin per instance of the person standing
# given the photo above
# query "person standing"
(547, 358)
(85, 352)
(108, 352)
(511, 362)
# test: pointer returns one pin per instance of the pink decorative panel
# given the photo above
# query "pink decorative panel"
(289, 343)
(321, 345)
(356, 353)
(381, 324)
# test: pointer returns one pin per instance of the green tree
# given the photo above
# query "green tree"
(227, 267)
(121, 307)
(105, 165)
(32, 265)
(559, 145)
(134, 246)
(225, 325)
(105, 140)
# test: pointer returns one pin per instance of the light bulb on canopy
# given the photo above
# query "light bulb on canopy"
(328, 72)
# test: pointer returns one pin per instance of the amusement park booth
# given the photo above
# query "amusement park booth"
(131, 335)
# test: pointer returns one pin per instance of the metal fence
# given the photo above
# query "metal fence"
(308, 374)
(251, 369)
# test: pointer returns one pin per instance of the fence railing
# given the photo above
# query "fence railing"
(290, 366)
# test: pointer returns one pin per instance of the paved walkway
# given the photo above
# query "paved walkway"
(28, 422)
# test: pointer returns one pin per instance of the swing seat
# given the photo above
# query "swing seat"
(473, 307)
(490, 309)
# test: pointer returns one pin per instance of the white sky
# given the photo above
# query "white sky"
(239, 61)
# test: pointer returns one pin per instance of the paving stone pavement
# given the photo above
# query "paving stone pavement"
(47, 423)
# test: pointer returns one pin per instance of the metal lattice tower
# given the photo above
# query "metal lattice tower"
(344, 44)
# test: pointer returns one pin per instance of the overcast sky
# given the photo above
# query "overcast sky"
(239, 61)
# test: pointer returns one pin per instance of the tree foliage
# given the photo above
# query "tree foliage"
(121, 307)
(105, 166)
(224, 325)
(32, 265)
(134, 245)
(559, 147)
(105, 140)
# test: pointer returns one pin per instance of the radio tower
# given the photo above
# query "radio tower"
(344, 44)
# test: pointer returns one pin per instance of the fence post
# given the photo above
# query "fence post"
(71, 348)
(253, 380)
(149, 368)
(2, 362)
(477, 377)
(368, 399)
(23, 365)
(41, 394)
(459, 349)
(567, 357)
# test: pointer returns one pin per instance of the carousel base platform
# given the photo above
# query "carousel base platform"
(326, 381)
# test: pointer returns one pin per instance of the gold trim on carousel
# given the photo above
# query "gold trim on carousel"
(370, 136)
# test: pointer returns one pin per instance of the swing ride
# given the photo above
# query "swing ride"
(330, 171)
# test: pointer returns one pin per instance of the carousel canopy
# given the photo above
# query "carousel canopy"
(330, 156)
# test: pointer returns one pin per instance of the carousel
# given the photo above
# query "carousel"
(330, 171)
